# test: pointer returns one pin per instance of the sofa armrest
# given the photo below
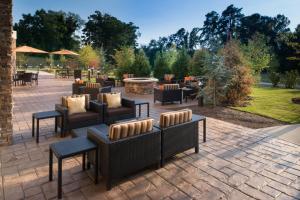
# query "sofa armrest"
(64, 111)
(97, 136)
(96, 107)
(128, 103)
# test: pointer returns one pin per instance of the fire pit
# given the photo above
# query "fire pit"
(140, 85)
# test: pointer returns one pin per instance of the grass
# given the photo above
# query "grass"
(274, 103)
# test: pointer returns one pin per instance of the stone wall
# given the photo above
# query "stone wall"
(5, 71)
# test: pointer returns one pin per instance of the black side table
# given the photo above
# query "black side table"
(140, 103)
(186, 93)
(69, 148)
(45, 115)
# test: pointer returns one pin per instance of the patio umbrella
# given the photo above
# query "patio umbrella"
(65, 52)
(27, 49)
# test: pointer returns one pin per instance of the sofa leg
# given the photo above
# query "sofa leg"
(108, 185)
(162, 162)
(158, 165)
(197, 149)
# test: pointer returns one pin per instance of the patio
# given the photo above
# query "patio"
(235, 162)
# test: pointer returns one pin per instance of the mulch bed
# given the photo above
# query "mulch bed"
(236, 117)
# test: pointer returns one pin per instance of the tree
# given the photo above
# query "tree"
(104, 30)
(239, 86)
(218, 77)
(162, 65)
(210, 29)
(141, 64)
(180, 66)
(62, 60)
(22, 59)
(89, 57)
(197, 63)
(49, 30)
(230, 22)
(257, 52)
(124, 59)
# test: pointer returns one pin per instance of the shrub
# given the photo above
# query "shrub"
(161, 65)
(197, 63)
(141, 64)
(290, 79)
(88, 56)
(180, 66)
(124, 59)
(239, 87)
(274, 78)
(241, 82)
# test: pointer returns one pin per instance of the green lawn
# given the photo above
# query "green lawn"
(275, 103)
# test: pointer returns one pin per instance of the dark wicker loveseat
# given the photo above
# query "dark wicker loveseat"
(165, 94)
(179, 137)
(126, 111)
(119, 158)
(93, 116)
(106, 81)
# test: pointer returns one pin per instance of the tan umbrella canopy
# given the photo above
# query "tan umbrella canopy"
(27, 49)
(65, 52)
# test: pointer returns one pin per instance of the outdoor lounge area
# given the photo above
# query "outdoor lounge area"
(235, 162)
(94, 106)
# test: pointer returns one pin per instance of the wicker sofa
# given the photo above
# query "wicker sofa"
(92, 116)
(168, 93)
(127, 155)
(105, 81)
(179, 132)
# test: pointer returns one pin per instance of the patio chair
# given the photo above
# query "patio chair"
(105, 81)
(120, 155)
(27, 78)
(179, 132)
(35, 78)
(92, 116)
(76, 87)
(17, 79)
(126, 110)
(168, 93)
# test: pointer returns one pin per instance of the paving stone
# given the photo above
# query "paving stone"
(235, 162)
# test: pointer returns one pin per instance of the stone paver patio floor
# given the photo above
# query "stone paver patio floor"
(235, 162)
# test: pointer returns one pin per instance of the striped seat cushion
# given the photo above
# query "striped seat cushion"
(130, 128)
(93, 85)
(175, 117)
(64, 100)
(171, 86)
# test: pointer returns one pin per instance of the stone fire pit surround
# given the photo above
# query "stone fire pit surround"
(140, 85)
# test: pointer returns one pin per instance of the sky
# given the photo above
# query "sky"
(157, 18)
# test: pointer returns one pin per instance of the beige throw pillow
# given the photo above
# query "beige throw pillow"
(76, 105)
(113, 100)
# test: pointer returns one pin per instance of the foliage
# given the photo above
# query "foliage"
(62, 60)
(240, 84)
(21, 59)
(104, 30)
(239, 87)
(218, 76)
(233, 55)
(197, 64)
(274, 78)
(290, 79)
(141, 65)
(49, 60)
(89, 57)
(124, 59)
(180, 66)
(275, 103)
(257, 53)
(49, 30)
(162, 65)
